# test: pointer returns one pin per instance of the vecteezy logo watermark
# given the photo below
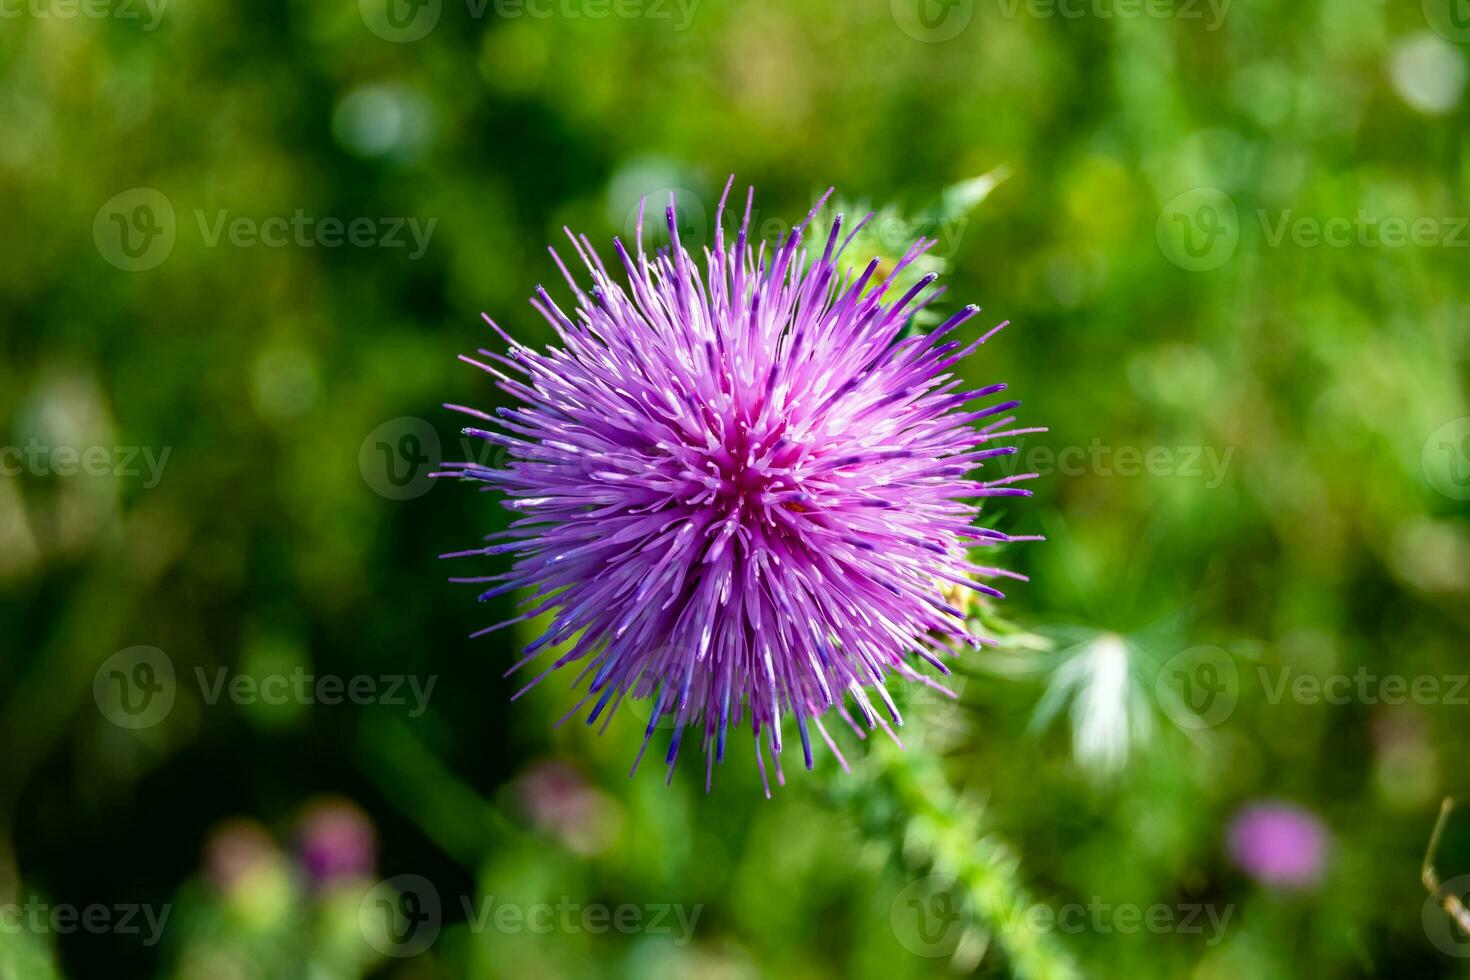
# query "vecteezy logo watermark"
(1198, 688)
(928, 700)
(403, 916)
(1199, 229)
(1446, 459)
(134, 688)
(397, 458)
(90, 9)
(1443, 931)
(400, 20)
(1185, 10)
(930, 916)
(932, 21)
(647, 693)
(691, 218)
(1450, 19)
(403, 21)
(136, 230)
(39, 459)
(39, 918)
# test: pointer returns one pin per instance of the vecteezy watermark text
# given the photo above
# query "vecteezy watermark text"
(136, 688)
(403, 21)
(1364, 230)
(300, 687)
(1103, 918)
(694, 220)
(39, 459)
(681, 12)
(543, 918)
(1200, 229)
(90, 9)
(1208, 462)
(304, 231)
(38, 917)
(1364, 687)
(936, 21)
(137, 230)
(1212, 12)
(1200, 687)
(403, 915)
(931, 916)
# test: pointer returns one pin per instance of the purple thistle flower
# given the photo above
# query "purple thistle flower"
(743, 488)
(336, 840)
(1279, 844)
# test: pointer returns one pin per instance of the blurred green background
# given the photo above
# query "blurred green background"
(243, 243)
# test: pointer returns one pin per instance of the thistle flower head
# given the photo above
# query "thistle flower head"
(744, 489)
(1279, 844)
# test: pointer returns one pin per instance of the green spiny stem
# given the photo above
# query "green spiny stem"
(937, 831)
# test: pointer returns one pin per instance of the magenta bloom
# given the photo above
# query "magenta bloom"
(337, 840)
(744, 490)
(1279, 844)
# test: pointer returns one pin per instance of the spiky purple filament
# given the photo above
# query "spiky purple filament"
(745, 492)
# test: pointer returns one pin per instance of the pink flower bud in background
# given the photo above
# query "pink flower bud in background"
(336, 840)
(1279, 844)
